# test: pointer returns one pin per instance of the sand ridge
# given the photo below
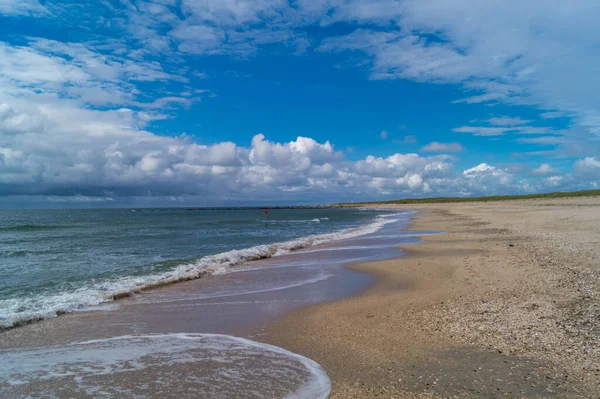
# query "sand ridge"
(505, 304)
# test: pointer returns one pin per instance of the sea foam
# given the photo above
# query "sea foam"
(205, 365)
(18, 311)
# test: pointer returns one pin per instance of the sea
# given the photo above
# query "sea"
(138, 266)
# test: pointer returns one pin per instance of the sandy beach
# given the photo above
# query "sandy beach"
(505, 304)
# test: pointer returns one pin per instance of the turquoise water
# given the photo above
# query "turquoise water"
(54, 261)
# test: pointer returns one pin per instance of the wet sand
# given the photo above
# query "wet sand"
(506, 304)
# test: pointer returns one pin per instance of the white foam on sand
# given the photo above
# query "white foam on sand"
(184, 365)
(224, 293)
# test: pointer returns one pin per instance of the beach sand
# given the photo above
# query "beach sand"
(505, 304)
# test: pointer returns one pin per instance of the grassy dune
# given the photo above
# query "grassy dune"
(439, 200)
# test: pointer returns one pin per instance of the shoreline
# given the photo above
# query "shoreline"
(504, 303)
(175, 310)
(237, 303)
(225, 262)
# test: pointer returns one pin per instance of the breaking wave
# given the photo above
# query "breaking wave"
(15, 312)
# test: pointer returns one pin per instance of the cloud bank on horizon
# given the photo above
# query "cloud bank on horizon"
(87, 88)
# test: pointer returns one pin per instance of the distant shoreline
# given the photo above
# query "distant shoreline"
(406, 201)
(443, 200)
(239, 208)
(362, 204)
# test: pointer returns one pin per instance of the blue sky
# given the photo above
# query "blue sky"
(188, 102)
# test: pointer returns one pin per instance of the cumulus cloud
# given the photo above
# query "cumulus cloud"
(489, 177)
(64, 152)
(479, 169)
(113, 160)
(75, 117)
(442, 147)
(101, 153)
(543, 170)
(587, 168)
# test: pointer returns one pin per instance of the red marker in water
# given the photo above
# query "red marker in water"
(267, 214)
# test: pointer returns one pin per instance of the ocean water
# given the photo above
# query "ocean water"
(56, 261)
(234, 274)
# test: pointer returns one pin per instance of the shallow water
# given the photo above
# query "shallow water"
(238, 302)
(58, 261)
(158, 365)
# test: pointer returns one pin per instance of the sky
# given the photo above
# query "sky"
(111, 103)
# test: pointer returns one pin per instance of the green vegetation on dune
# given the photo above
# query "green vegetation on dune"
(439, 200)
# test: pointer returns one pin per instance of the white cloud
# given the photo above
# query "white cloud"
(481, 168)
(410, 139)
(500, 51)
(507, 121)
(442, 147)
(498, 126)
(489, 178)
(554, 114)
(544, 170)
(482, 130)
(74, 116)
(21, 7)
(534, 130)
(402, 164)
(78, 198)
(198, 39)
(232, 27)
(540, 54)
(383, 134)
(554, 182)
(65, 151)
(587, 169)
(75, 71)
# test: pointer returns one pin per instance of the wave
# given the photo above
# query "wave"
(226, 294)
(231, 365)
(15, 253)
(275, 221)
(29, 227)
(406, 234)
(358, 247)
(15, 312)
